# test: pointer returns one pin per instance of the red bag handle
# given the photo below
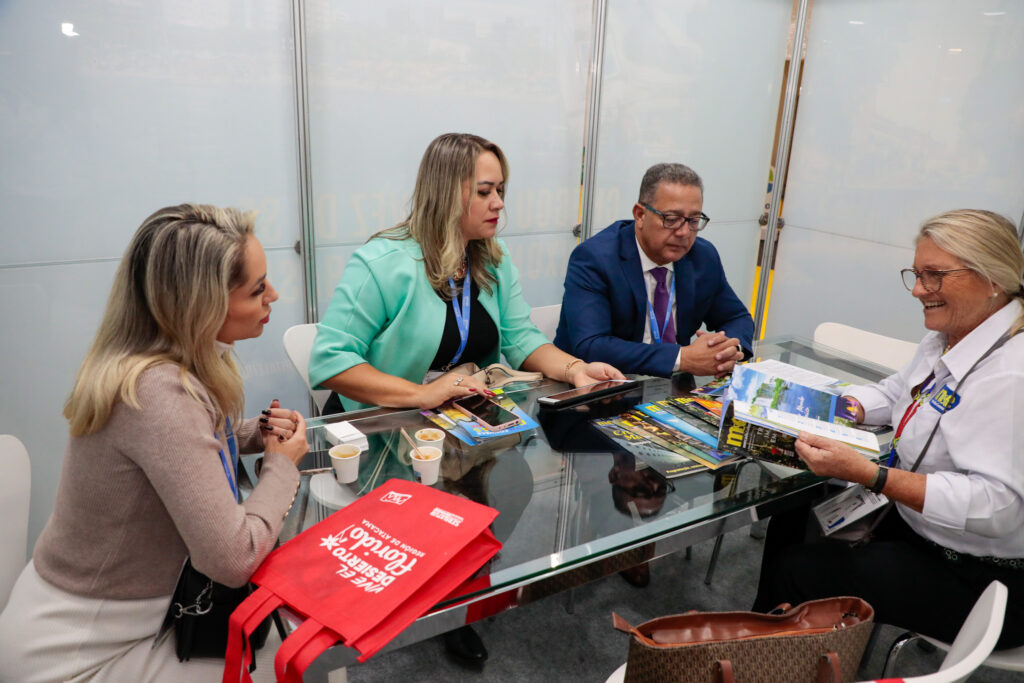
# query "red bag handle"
(242, 623)
(305, 656)
(292, 644)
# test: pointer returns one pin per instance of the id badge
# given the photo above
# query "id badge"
(846, 507)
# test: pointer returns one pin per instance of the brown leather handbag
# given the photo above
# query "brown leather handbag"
(819, 640)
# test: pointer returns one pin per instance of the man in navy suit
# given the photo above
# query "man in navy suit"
(637, 292)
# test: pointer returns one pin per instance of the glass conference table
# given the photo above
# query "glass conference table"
(573, 508)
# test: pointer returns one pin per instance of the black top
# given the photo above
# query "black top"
(483, 333)
(483, 338)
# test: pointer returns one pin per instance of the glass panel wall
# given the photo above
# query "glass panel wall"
(696, 83)
(109, 111)
(388, 77)
(908, 108)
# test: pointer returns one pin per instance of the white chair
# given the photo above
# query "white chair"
(888, 352)
(15, 486)
(298, 342)
(973, 645)
(546, 319)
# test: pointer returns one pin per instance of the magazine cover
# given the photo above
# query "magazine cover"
(706, 409)
(770, 434)
(667, 463)
(755, 385)
(639, 423)
(715, 387)
(660, 411)
(740, 436)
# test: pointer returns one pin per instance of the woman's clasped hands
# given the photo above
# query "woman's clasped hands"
(284, 431)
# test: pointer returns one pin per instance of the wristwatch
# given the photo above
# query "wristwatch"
(878, 483)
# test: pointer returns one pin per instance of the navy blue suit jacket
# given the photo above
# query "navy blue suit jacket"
(604, 307)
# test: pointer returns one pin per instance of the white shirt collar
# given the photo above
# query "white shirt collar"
(221, 347)
(646, 264)
(961, 357)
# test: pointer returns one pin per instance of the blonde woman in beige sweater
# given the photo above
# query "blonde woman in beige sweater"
(148, 476)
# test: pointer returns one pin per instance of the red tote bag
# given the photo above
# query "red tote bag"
(364, 574)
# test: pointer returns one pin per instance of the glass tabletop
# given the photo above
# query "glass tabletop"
(567, 497)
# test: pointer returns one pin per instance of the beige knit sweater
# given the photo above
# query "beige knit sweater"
(149, 488)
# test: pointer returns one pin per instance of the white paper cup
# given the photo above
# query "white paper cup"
(345, 460)
(428, 466)
(430, 436)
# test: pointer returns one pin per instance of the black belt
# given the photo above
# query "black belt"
(958, 557)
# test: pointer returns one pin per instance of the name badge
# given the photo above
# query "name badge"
(945, 399)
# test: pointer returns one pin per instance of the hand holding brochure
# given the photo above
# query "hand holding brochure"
(771, 435)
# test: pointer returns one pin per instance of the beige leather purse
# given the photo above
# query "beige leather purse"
(496, 375)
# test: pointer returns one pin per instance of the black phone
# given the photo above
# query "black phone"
(564, 399)
(486, 412)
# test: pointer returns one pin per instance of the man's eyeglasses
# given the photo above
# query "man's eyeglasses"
(673, 221)
(931, 280)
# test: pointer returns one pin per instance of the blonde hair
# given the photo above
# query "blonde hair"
(168, 302)
(437, 210)
(985, 242)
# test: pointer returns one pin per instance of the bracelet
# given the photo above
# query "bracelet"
(568, 366)
(878, 483)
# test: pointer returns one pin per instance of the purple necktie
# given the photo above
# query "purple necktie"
(661, 304)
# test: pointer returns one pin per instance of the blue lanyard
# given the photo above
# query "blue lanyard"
(461, 313)
(233, 449)
(656, 334)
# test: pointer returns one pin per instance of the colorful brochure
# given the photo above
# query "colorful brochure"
(789, 389)
(667, 463)
(771, 434)
(469, 431)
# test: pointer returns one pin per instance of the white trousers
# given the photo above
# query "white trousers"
(47, 635)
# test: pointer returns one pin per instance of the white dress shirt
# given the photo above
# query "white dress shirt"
(974, 492)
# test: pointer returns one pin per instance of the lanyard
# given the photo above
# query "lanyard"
(917, 398)
(233, 449)
(657, 334)
(461, 313)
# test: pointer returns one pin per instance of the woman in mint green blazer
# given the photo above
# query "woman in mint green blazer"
(401, 310)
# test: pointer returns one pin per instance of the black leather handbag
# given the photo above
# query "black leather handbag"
(200, 610)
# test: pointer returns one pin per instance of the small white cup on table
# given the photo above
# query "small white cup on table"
(345, 461)
(430, 436)
(426, 463)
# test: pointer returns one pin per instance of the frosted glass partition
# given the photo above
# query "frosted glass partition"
(109, 111)
(697, 83)
(908, 108)
(388, 77)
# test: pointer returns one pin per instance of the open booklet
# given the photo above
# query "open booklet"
(789, 389)
(769, 403)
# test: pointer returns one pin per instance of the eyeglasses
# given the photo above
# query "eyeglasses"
(673, 221)
(931, 280)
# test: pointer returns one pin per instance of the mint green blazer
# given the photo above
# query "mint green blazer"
(384, 312)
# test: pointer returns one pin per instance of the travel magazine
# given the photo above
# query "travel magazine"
(770, 434)
(667, 463)
(789, 389)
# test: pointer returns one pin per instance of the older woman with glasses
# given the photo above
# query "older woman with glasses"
(958, 522)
